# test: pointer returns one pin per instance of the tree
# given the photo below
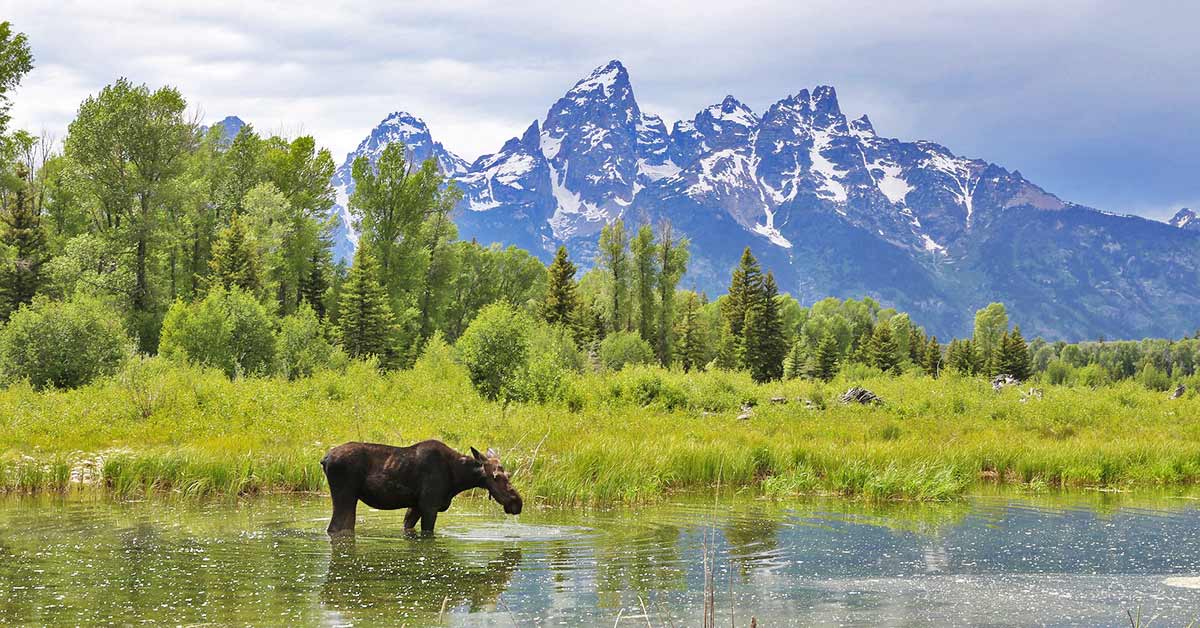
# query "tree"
(21, 275)
(932, 360)
(690, 332)
(860, 351)
(62, 344)
(645, 277)
(672, 264)
(229, 330)
(235, 258)
(990, 324)
(15, 62)
(795, 362)
(128, 144)
(764, 339)
(962, 357)
(885, 355)
(745, 289)
(495, 349)
(624, 348)
(561, 303)
(316, 283)
(1012, 356)
(614, 259)
(365, 320)
(827, 358)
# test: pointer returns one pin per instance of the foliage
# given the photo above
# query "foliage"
(623, 349)
(495, 349)
(62, 344)
(301, 347)
(235, 259)
(365, 320)
(228, 330)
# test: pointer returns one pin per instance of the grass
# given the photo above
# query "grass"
(624, 437)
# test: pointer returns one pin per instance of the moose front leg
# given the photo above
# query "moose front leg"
(410, 519)
(428, 519)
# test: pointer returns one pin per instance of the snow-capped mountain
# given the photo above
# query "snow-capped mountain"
(829, 205)
(1185, 219)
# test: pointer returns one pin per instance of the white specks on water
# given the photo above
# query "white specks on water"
(1183, 582)
(514, 532)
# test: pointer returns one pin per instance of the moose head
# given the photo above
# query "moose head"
(495, 480)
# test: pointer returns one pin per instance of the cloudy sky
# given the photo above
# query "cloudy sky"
(1098, 102)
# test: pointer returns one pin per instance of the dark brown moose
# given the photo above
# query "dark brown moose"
(422, 478)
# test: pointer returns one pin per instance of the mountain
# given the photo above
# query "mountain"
(826, 203)
(230, 125)
(1185, 219)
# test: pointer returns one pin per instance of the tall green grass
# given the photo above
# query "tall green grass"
(620, 437)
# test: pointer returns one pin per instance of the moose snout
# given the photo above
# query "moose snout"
(513, 507)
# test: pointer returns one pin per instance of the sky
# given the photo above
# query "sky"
(1097, 102)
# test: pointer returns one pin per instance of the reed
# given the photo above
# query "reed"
(621, 437)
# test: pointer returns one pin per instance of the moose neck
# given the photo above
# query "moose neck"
(467, 476)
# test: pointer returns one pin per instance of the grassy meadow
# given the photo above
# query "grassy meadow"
(629, 436)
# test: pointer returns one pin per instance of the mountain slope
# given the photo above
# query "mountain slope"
(827, 204)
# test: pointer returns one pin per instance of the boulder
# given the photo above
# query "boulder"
(1032, 393)
(747, 412)
(779, 400)
(858, 394)
(1178, 392)
(1000, 381)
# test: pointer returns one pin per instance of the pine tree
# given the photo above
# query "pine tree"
(763, 335)
(745, 292)
(860, 351)
(1012, 356)
(23, 234)
(827, 357)
(884, 353)
(561, 303)
(961, 357)
(316, 282)
(235, 257)
(932, 360)
(364, 315)
(793, 364)
(690, 334)
(916, 344)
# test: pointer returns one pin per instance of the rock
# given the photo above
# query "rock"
(1000, 381)
(860, 395)
(1032, 393)
(745, 416)
(810, 405)
(747, 412)
(1178, 392)
(779, 400)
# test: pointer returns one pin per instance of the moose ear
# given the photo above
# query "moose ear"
(478, 456)
(492, 453)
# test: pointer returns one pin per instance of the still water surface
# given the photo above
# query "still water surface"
(992, 560)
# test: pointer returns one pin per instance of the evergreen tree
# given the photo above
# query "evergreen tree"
(745, 292)
(561, 304)
(316, 282)
(691, 334)
(1012, 356)
(23, 235)
(961, 357)
(883, 351)
(916, 344)
(763, 335)
(793, 364)
(827, 357)
(365, 318)
(860, 350)
(235, 257)
(932, 360)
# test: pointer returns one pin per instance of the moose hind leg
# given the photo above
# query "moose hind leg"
(410, 519)
(428, 519)
(345, 507)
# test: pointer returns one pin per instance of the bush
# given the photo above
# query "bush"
(495, 349)
(1058, 373)
(301, 347)
(1092, 375)
(556, 342)
(62, 344)
(623, 349)
(1154, 379)
(229, 330)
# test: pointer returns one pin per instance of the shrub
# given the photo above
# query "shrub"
(495, 349)
(1058, 372)
(228, 330)
(301, 346)
(62, 344)
(1153, 378)
(1092, 375)
(624, 348)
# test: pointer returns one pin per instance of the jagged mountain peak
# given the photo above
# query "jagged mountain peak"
(606, 81)
(1185, 219)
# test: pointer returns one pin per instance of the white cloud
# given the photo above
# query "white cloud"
(1031, 85)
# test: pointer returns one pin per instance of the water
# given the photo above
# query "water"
(998, 560)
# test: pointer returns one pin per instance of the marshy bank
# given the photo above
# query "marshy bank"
(630, 436)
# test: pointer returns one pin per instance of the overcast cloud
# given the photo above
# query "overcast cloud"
(1098, 102)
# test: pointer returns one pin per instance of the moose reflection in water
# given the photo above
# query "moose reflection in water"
(386, 579)
(424, 478)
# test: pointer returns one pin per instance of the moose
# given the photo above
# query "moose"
(423, 478)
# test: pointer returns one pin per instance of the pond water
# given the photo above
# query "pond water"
(991, 559)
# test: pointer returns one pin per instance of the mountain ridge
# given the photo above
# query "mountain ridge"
(828, 204)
